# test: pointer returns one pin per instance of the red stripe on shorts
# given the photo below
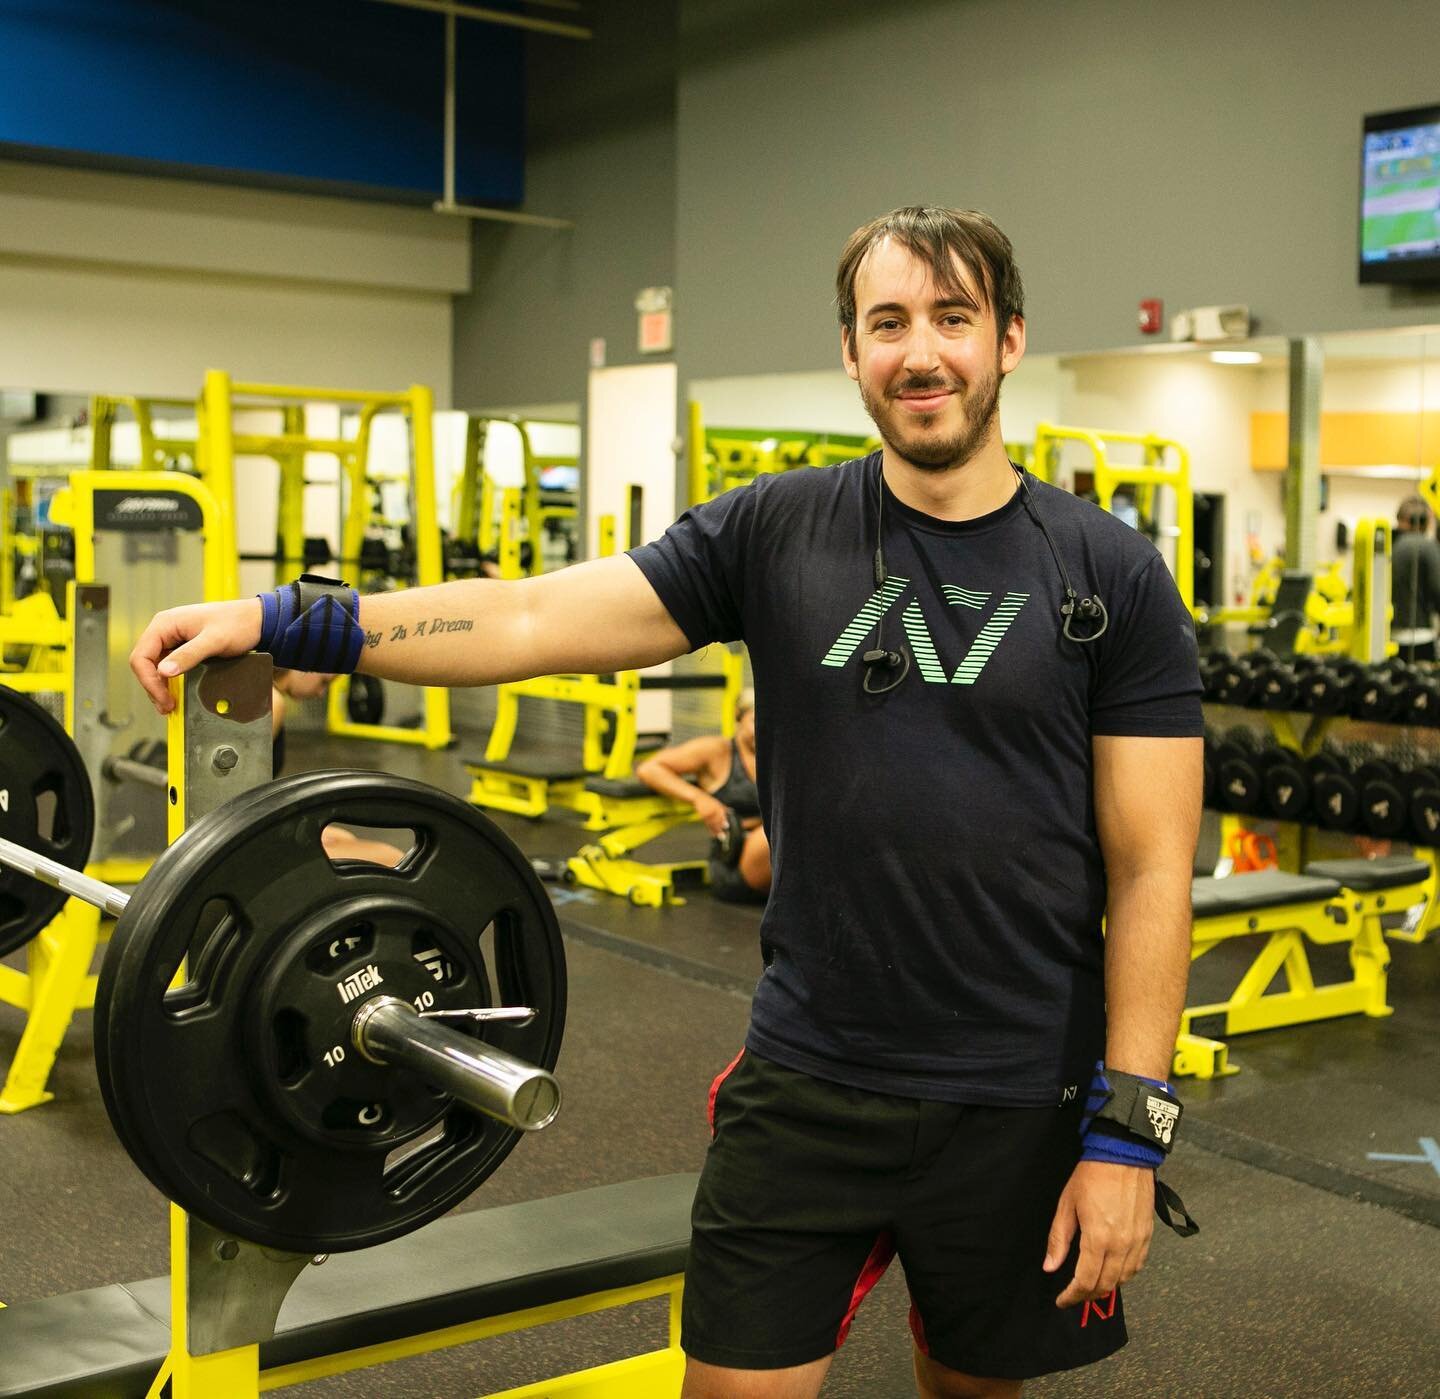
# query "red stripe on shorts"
(917, 1329)
(870, 1274)
(715, 1088)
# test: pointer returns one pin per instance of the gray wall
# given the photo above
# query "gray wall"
(1199, 153)
(600, 150)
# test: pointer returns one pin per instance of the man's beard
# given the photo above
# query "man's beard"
(981, 404)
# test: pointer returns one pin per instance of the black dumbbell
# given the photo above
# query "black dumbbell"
(1236, 680)
(1212, 775)
(1384, 811)
(1284, 784)
(1379, 697)
(1237, 771)
(1276, 684)
(1420, 787)
(1425, 814)
(1422, 697)
(1326, 683)
(1212, 665)
(1334, 797)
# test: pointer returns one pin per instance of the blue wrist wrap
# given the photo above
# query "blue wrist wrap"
(305, 631)
(1106, 1141)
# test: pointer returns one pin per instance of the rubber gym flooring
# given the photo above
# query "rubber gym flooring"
(1316, 1271)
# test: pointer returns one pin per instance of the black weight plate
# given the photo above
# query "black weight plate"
(365, 700)
(212, 1086)
(46, 805)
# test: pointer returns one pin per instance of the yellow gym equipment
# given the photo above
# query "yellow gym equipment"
(219, 445)
(1165, 464)
(452, 1280)
(723, 458)
(1333, 902)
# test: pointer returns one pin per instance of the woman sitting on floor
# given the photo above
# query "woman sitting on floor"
(716, 775)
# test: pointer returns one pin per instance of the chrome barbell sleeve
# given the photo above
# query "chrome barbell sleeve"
(388, 1030)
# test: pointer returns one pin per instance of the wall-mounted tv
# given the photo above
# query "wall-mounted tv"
(1400, 197)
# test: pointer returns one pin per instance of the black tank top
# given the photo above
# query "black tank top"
(738, 791)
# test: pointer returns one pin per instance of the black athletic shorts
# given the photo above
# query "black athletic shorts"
(811, 1188)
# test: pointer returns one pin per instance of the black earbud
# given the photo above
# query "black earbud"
(884, 670)
(1074, 608)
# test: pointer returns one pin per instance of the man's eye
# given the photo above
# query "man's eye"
(890, 324)
(955, 318)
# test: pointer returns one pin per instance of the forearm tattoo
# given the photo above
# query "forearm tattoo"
(431, 626)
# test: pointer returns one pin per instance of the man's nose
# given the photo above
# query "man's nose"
(922, 349)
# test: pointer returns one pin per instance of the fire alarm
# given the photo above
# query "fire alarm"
(1152, 316)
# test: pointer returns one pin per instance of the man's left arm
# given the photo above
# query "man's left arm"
(1147, 813)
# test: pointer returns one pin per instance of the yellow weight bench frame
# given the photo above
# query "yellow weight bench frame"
(1373, 888)
(529, 794)
(632, 815)
(1430, 896)
(1287, 910)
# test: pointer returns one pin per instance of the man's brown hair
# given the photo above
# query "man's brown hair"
(938, 237)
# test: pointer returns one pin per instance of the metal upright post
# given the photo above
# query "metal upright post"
(1302, 471)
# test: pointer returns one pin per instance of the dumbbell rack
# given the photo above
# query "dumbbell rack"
(1380, 760)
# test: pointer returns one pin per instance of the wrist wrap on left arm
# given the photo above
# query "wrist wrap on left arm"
(1129, 1120)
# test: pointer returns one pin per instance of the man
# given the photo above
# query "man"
(952, 809)
(1414, 581)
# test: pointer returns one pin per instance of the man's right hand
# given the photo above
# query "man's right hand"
(181, 637)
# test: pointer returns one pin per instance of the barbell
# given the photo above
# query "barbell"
(268, 1033)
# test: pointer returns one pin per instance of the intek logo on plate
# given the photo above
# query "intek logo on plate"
(356, 984)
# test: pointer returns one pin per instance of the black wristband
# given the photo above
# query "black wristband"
(1150, 1114)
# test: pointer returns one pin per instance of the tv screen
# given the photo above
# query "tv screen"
(1400, 197)
(560, 478)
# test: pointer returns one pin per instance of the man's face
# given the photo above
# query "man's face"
(928, 363)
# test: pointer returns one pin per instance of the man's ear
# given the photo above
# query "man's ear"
(847, 356)
(1012, 347)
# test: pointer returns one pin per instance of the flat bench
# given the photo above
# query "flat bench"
(525, 785)
(1374, 888)
(1278, 988)
(469, 1275)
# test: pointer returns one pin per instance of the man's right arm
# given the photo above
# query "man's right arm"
(597, 616)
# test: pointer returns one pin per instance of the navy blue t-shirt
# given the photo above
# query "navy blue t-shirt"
(938, 886)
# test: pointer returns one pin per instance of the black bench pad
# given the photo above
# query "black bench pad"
(548, 769)
(619, 787)
(1386, 873)
(1210, 898)
(108, 1342)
